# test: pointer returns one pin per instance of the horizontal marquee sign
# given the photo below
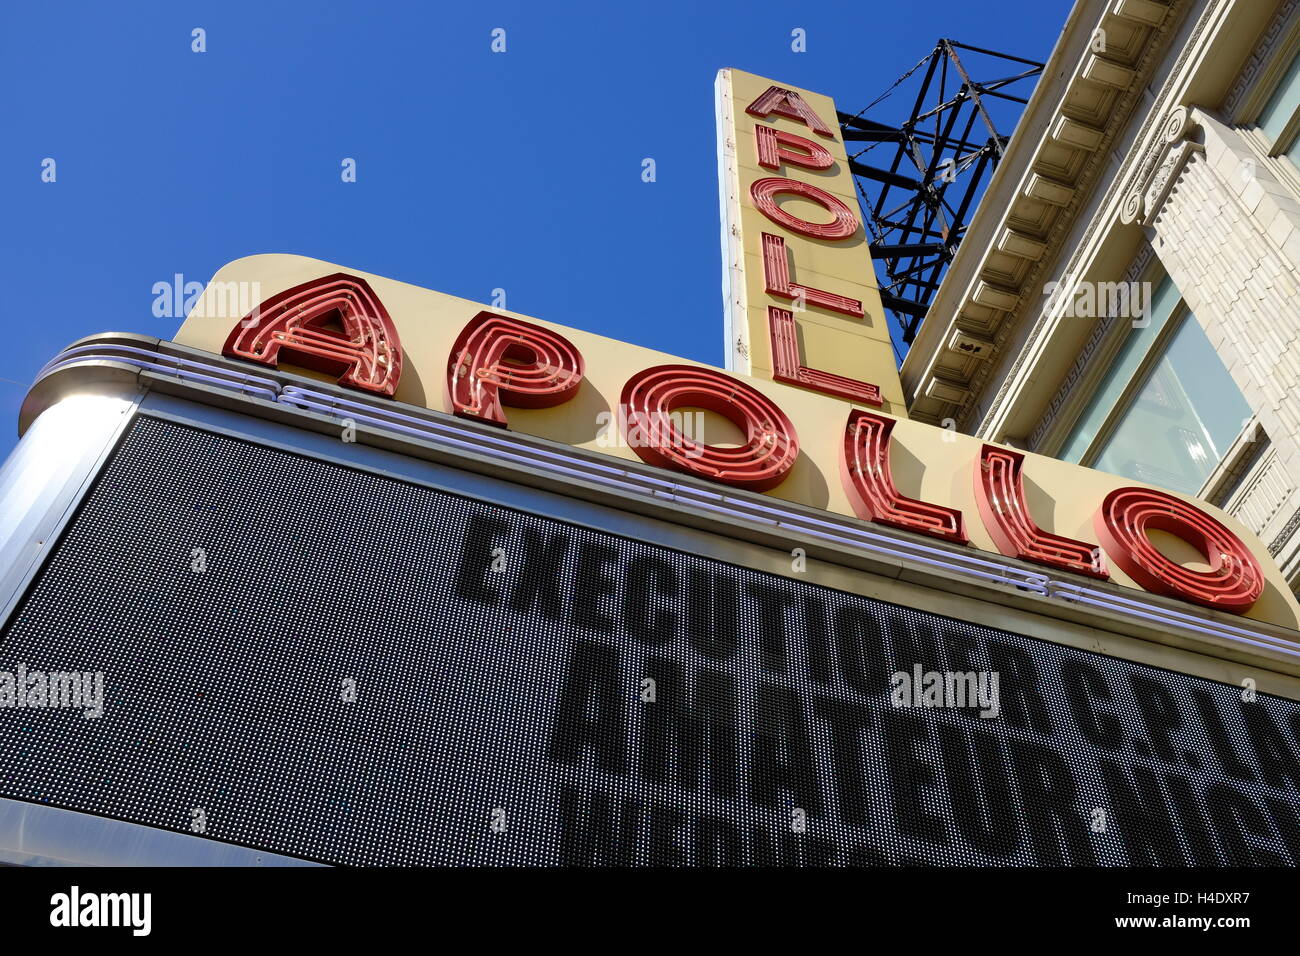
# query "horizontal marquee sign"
(594, 699)
(394, 340)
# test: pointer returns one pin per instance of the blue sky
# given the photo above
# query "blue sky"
(475, 170)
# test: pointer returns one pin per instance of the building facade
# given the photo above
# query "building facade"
(1126, 296)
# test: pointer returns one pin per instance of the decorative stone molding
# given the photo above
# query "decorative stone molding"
(1100, 334)
(1144, 202)
(1293, 523)
(1262, 54)
(1177, 124)
(1131, 209)
(1136, 170)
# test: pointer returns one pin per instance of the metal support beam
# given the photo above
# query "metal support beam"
(916, 205)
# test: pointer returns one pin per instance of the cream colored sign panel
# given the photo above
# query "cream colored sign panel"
(927, 463)
(829, 340)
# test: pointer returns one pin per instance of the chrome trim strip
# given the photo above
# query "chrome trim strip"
(142, 358)
(42, 481)
(35, 835)
(636, 482)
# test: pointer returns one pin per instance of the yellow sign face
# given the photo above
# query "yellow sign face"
(802, 304)
(925, 464)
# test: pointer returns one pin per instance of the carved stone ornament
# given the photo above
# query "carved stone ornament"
(1154, 185)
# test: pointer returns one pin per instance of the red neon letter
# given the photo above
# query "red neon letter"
(776, 271)
(787, 368)
(772, 150)
(649, 397)
(298, 324)
(1000, 492)
(498, 361)
(789, 104)
(764, 191)
(1234, 581)
(864, 469)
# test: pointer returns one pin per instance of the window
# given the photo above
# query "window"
(1279, 120)
(1124, 366)
(1167, 410)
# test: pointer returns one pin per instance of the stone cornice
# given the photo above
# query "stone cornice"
(1150, 163)
(1061, 167)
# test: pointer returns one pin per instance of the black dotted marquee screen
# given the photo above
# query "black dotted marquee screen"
(340, 666)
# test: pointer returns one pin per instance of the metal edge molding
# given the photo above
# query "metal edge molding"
(35, 835)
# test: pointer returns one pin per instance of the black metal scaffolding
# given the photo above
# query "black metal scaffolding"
(917, 201)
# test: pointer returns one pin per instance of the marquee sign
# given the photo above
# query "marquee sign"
(802, 306)
(597, 699)
(502, 651)
(789, 441)
(810, 409)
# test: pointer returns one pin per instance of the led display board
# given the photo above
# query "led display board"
(364, 670)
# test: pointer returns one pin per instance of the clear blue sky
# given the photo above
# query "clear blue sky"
(476, 170)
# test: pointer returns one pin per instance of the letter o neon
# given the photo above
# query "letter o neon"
(650, 396)
(765, 191)
(1235, 579)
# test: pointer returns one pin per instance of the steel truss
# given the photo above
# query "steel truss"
(916, 206)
